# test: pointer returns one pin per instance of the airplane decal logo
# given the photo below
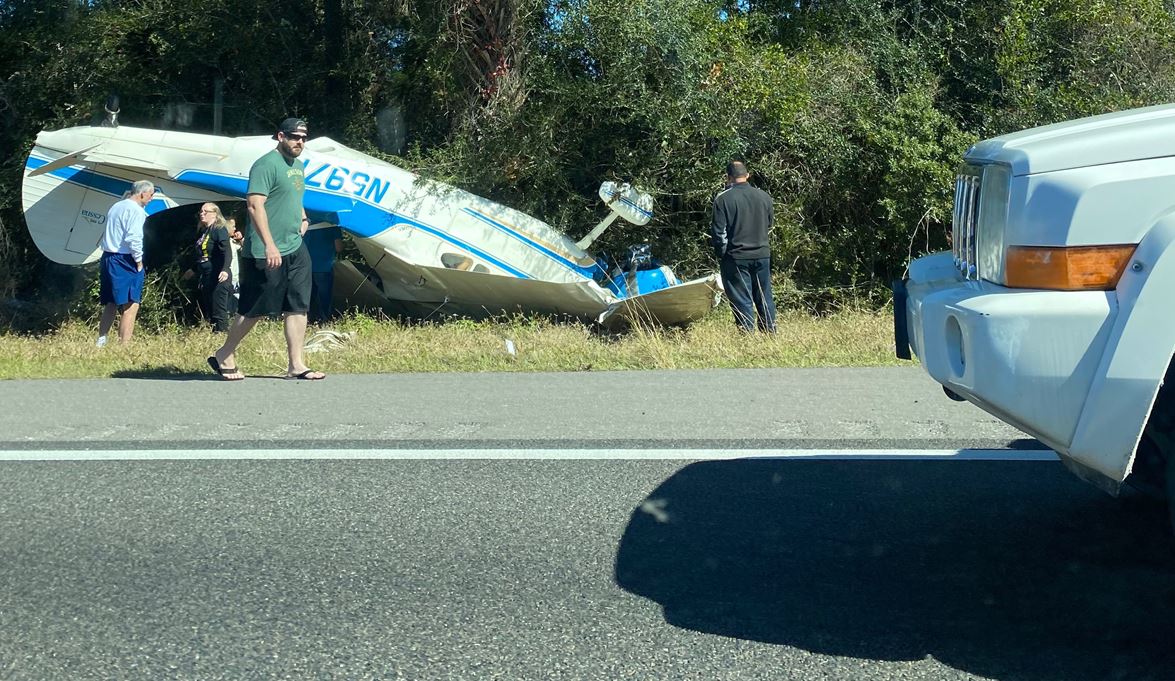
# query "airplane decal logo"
(93, 218)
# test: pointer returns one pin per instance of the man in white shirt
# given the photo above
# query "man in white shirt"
(121, 273)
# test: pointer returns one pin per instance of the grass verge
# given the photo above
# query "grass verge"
(380, 346)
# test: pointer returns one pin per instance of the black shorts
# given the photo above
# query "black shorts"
(269, 293)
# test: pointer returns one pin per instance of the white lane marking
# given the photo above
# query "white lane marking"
(529, 454)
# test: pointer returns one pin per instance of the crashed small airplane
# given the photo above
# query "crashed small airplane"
(431, 248)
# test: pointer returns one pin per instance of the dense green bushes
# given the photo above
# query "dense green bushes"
(852, 114)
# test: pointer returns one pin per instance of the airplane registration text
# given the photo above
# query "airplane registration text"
(339, 179)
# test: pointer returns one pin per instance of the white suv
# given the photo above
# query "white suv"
(1055, 309)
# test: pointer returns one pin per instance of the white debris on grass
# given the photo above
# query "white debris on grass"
(325, 340)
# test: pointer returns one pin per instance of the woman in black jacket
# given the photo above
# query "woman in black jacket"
(214, 279)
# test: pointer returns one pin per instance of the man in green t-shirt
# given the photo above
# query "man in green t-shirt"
(275, 266)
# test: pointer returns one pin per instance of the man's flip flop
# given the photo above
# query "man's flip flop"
(224, 371)
(307, 375)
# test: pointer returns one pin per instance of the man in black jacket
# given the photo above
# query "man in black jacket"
(743, 216)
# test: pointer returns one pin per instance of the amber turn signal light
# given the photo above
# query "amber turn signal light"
(1067, 268)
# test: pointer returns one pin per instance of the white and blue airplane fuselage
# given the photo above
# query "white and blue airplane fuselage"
(432, 246)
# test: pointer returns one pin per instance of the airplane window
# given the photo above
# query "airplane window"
(456, 261)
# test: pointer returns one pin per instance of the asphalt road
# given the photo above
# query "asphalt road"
(870, 407)
(760, 568)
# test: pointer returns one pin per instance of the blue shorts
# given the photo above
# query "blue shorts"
(120, 280)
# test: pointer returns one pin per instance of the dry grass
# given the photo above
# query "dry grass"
(844, 339)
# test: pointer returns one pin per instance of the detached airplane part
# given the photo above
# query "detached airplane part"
(432, 247)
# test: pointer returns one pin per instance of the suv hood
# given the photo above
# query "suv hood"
(1110, 138)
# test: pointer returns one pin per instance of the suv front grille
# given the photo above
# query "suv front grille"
(965, 223)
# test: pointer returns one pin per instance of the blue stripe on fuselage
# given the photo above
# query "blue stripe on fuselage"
(356, 216)
(98, 182)
(582, 271)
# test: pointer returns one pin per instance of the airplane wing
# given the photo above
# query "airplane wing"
(63, 162)
(73, 176)
(451, 290)
(681, 304)
(354, 288)
(91, 155)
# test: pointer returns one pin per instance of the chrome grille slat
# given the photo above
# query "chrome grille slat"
(965, 223)
(956, 220)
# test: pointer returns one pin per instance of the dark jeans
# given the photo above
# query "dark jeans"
(748, 286)
(321, 290)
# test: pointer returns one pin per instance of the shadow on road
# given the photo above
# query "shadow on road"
(1009, 570)
(170, 372)
(165, 372)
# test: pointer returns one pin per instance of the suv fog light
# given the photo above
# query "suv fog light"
(956, 353)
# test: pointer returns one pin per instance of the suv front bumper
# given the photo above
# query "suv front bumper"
(1027, 357)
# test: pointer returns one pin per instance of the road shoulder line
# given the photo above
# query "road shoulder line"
(529, 454)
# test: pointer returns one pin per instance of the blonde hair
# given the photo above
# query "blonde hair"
(219, 222)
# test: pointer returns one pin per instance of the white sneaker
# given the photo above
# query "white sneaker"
(101, 342)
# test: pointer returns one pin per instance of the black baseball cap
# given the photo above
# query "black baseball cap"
(292, 126)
